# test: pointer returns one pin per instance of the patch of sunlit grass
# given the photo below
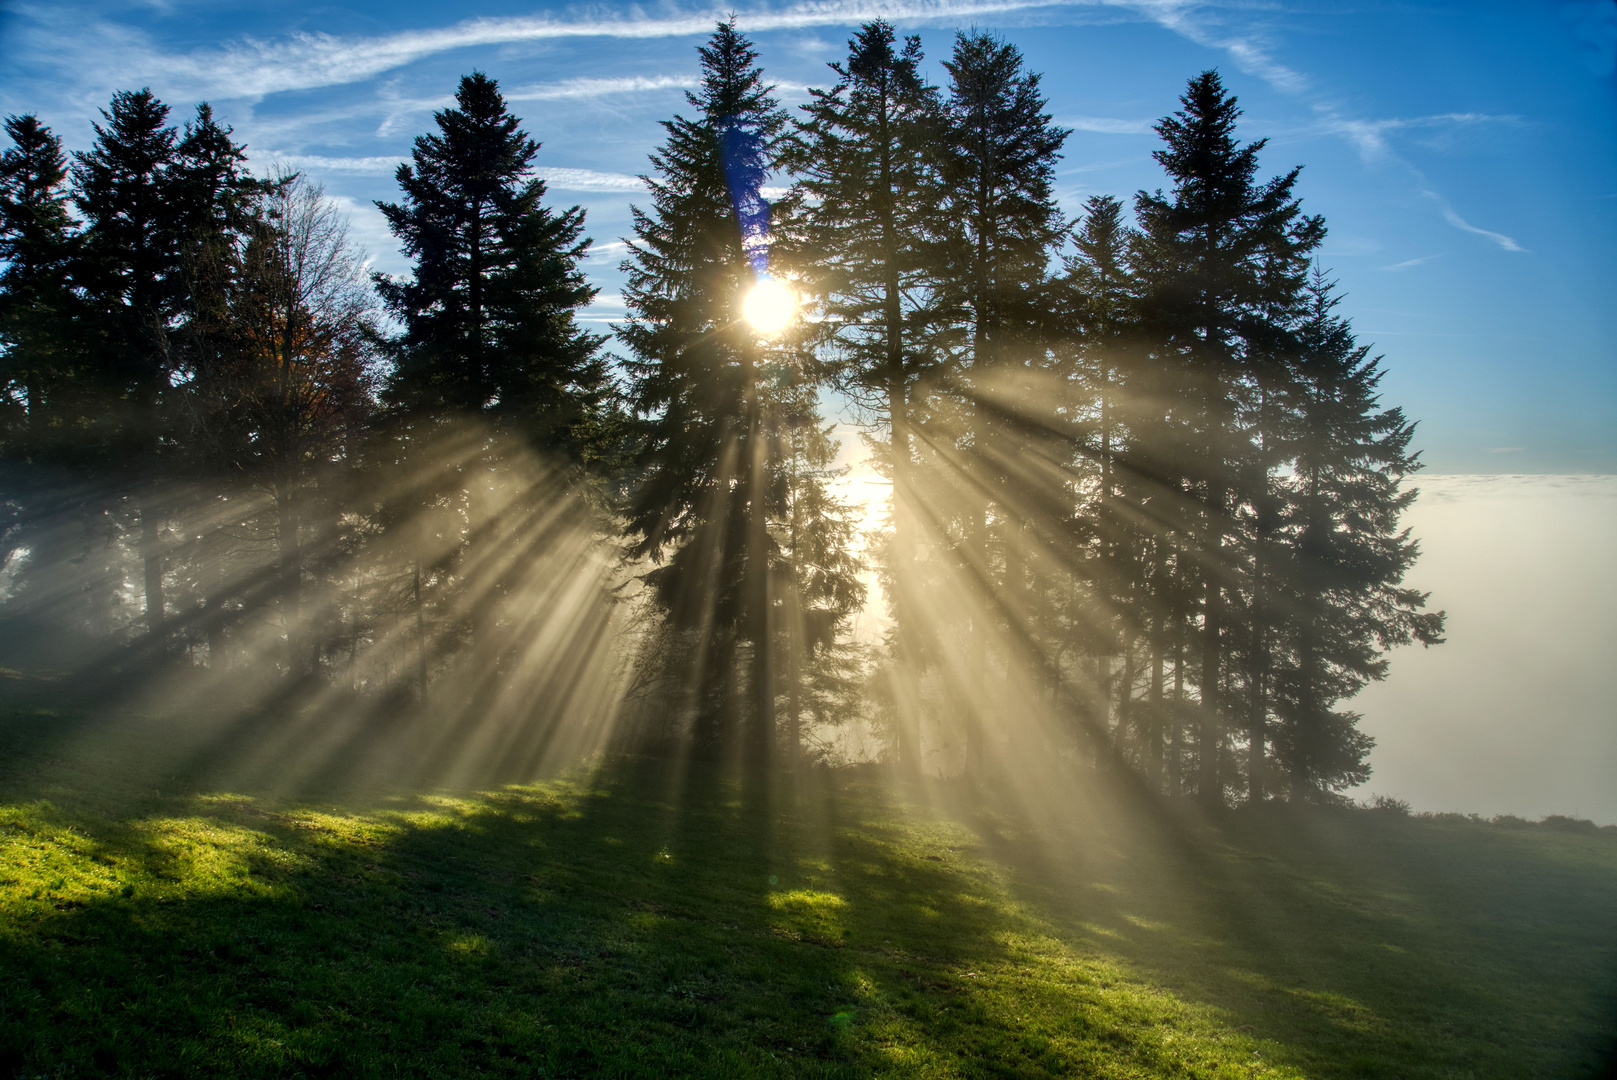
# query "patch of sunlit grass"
(609, 928)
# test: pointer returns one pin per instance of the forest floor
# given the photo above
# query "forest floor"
(638, 920)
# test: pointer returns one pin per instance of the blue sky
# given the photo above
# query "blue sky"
(1463, 154)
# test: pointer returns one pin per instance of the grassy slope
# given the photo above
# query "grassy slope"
(622, 926)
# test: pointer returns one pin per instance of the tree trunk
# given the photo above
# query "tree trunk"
(1209, 783)
(290, 566)
(1153, 746)
(151, 554)
(1176, 723)
(420, 636)
(761, 740)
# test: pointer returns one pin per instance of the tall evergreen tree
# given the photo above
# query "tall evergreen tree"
(1128, 519)
(1001, 228)
(708, 482)
(863, 162)
(817, 576)
(1342, 584)
(35, 249)
(1221, 262)
(489, 315)
(490, 331)
(36, 354)
(150, 199)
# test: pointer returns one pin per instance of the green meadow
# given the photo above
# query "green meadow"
(643, 918)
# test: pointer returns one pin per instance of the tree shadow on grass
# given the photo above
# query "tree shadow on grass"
(1350, 943)
(632, 923)
(648, 919)
(652, 918)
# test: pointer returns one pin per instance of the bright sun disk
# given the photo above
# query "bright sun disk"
(769, 306)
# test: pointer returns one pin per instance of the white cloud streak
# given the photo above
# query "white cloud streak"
(1453, 218)
(592, 88)
(589, 180)
(1369, 136)
(253, 68)
(1250, 53)
(1407, 263)
(1104, 125)
(554, 176)
(364, 166)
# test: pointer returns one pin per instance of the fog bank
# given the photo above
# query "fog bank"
(1515, 714)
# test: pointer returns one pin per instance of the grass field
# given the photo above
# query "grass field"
(640, 921)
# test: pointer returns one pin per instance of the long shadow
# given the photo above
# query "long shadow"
(633, 923)
(639, 921)
(1352, 943)
(656, 918)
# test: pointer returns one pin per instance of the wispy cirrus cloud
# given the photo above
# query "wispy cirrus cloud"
(363, 166)
(1369, 137)
(589, 180)
(1105, 125)
(566, 89)
(400, 110)
(253, 68)
(1253, 54)
(558, 177)
(1453, 218)
(1407, 263)
(1250, 49)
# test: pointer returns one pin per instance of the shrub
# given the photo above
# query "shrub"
(1388, 804)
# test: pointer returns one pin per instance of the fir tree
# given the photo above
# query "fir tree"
(36, 353)
(862, 161)
(1221, 262)
(150, 199)
(35, 301)
(816, 577)
(1001, 228)
(1342, 585)
(490, 313)
(707, 482)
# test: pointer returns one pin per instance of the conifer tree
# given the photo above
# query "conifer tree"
(490, 331)
(35, 302)
(863, 163)
(1001, 228)
(489, 314)
(150, 198)
(1221, 262)
(36, 354)
(708, 483)
(1342, 584)
(817, 578)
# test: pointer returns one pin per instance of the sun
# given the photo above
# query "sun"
(769, 306)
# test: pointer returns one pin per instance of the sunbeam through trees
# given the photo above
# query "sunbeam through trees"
(1141, 498)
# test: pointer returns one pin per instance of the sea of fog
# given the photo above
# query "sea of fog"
(1516, 712)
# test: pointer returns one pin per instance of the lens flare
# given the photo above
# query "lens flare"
(769, 307)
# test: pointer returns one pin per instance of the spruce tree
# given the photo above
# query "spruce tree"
(1342, 582)
(35, 301)
(863, 163)
(490, 331)
(708, 482)
(489, 314)
(150, 200)
(1221, 263)
(37, 358)
(817, 576)
(1001, 227)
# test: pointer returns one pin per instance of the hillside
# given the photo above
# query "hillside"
(646, 920)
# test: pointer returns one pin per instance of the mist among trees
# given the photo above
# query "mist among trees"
(1142, 494)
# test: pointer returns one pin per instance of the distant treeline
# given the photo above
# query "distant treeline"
(1144, 495)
